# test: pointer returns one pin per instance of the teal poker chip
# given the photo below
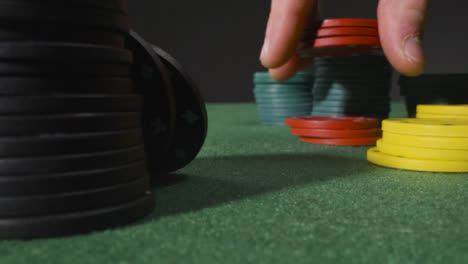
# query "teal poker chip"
(300, 77)
(352, 108)
(352, 104)
(282, 95)
(350, 97)
(281, 87)
(344, 88)
(355, 115)
(296, 107)
(353, 60)
(283, 112)
(284, 100)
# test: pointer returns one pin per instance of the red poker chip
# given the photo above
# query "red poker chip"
(328, 122)
(336, 133)
(339, 46)
(349, 22)
(347, 31)
(365, 141)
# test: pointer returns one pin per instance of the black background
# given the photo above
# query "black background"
(218, 42)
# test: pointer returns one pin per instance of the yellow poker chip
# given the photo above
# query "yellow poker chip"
(460, 143)
(421, 153)
(443, 109)
(399, 162)
(427, 127)
(436, 116)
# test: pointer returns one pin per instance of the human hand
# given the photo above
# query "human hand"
(401, 29)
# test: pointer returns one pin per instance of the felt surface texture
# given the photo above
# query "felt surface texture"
(255, 194)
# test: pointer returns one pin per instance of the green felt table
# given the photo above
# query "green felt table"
(255, 194)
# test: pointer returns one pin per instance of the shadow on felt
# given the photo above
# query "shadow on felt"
(216, 180)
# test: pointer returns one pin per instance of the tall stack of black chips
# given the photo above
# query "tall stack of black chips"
(72, 158)
(352, 86)
(440, 89)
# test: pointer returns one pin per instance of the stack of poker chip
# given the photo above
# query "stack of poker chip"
(277, 100)
(438, 145)
(352, 86)
(71, 144)
(340, 131)
(433, 89)
(442, 111)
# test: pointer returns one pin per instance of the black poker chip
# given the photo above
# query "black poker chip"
(61, 144)
(68, 163)
(35, 11)
(34, 125)
(114, 5)
(64, 69)
(70, 104)
(62, 51)
(44, 184)
(60, 85)
(77, 222)
(57, 33)
(191, 116)
(17, 206)
(152, 81)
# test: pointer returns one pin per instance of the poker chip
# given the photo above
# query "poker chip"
(433, 89)
(451, 110)
(349, 22)
(436, 116)
(191, 119)
(362, 141)
(427, 127)
(23, 206)
(437, 142)
(277, 100)
(82, 180)
(336, 133)
(326, 122)
(346, 31)
(402, 162)
(422, 152)
(56, 225)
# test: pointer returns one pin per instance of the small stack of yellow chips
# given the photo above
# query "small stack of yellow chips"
(423, 144)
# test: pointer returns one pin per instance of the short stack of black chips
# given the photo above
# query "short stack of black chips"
(72, 155)
(439, 89)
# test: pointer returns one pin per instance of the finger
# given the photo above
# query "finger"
(284, 30)
(401, 29)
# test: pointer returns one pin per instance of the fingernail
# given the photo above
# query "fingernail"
(413, 49)
(264, 52)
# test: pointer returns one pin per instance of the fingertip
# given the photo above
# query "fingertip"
(287, 70)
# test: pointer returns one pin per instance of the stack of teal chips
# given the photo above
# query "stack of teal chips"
(352, 86)
(278, 100)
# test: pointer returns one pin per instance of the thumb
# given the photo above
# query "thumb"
(401, 29)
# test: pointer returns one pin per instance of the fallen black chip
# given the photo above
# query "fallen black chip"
(77, 222)
(18, 206)
(60, 144)
(68, 163)
(159, 107)
(34, 125)
(42, 184)
(191, 117)
(62, 86)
